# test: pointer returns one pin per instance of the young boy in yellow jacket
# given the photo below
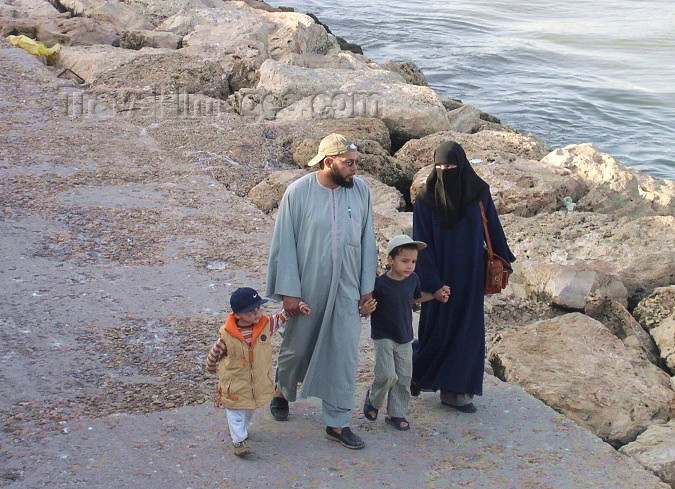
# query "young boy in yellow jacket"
(242, 355)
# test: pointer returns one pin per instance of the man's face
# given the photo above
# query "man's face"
(342, 168)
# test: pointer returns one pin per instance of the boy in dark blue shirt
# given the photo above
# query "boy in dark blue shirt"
(391, 330)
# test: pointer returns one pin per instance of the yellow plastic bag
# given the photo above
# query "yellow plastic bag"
(34, 47)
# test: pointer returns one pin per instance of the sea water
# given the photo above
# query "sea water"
(569, 72)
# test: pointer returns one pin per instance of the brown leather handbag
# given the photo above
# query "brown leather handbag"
(497, 269)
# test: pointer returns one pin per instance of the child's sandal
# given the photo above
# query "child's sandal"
(400, 424)
(368, 408)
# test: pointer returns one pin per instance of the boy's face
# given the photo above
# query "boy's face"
(248, 318)
(403, 264)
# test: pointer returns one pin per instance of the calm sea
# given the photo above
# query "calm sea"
(569, 72)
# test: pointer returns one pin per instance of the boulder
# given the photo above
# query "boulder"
(469, 119)
(576, 366)
(410, 72)
(656, 307)
(486, 146)
(89, 62)
(612, 187)
(566, 286)
(409, 111)
(27, 8)
(519, 186)
(221, 31)
(268, 193)
(640, 252)
(72, 31)
(150, 39)
(358, 129)
(322, 85)
(298, 33)
(338, 61)
(655, 450)
(158, 11)
(181, 23)
(616, 318)
(664, 336)
(119, 14)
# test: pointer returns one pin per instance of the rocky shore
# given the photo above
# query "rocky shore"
(141, 171)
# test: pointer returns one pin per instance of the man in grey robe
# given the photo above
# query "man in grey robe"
(324, 252)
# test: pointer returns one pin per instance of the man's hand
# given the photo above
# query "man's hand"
(292, 305)
(365, 303)
(442, 294)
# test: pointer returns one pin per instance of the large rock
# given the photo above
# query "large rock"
(298, 33)
(119, 14)
(150, 39)
(27, 8)
(357, 129)
(71, 31)
(567, 286)
(519, 186)
(159, 10)
(613, 187)
(268, 193)
(655, 450)
(148, 72)
(409, 111)
(293, 83)
(486, 146)
(576, 366)
(619, 321)
(641, 252)
(664, 336)
(220, 31)
(469, 119)
(656, 307)
(410, 72)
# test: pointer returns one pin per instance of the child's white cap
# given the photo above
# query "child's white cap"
(403, 239)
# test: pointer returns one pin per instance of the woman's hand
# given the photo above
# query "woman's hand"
(442, 294)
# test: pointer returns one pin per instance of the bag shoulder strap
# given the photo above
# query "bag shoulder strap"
(488, 242)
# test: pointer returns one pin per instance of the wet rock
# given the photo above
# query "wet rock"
(576, 366)
(469, 119)
(410, 72)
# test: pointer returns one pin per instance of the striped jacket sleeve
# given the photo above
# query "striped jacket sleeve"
(218, 350)
(278, 321)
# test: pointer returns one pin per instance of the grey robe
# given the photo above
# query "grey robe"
(324, 251)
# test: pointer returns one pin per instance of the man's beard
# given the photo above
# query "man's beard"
(340, 180)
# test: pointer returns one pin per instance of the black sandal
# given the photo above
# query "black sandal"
(398, 423)
(368, 408)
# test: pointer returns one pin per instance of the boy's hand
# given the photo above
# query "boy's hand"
(368, 307)
(442, 294)
(305, 309)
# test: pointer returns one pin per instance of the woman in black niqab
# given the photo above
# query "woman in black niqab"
(449, 355)
(449, 191)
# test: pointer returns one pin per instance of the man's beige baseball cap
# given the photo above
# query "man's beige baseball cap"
(331, 145)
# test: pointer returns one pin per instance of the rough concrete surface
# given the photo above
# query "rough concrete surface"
(117, 255)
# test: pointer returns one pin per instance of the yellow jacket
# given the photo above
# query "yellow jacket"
(245, 378)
